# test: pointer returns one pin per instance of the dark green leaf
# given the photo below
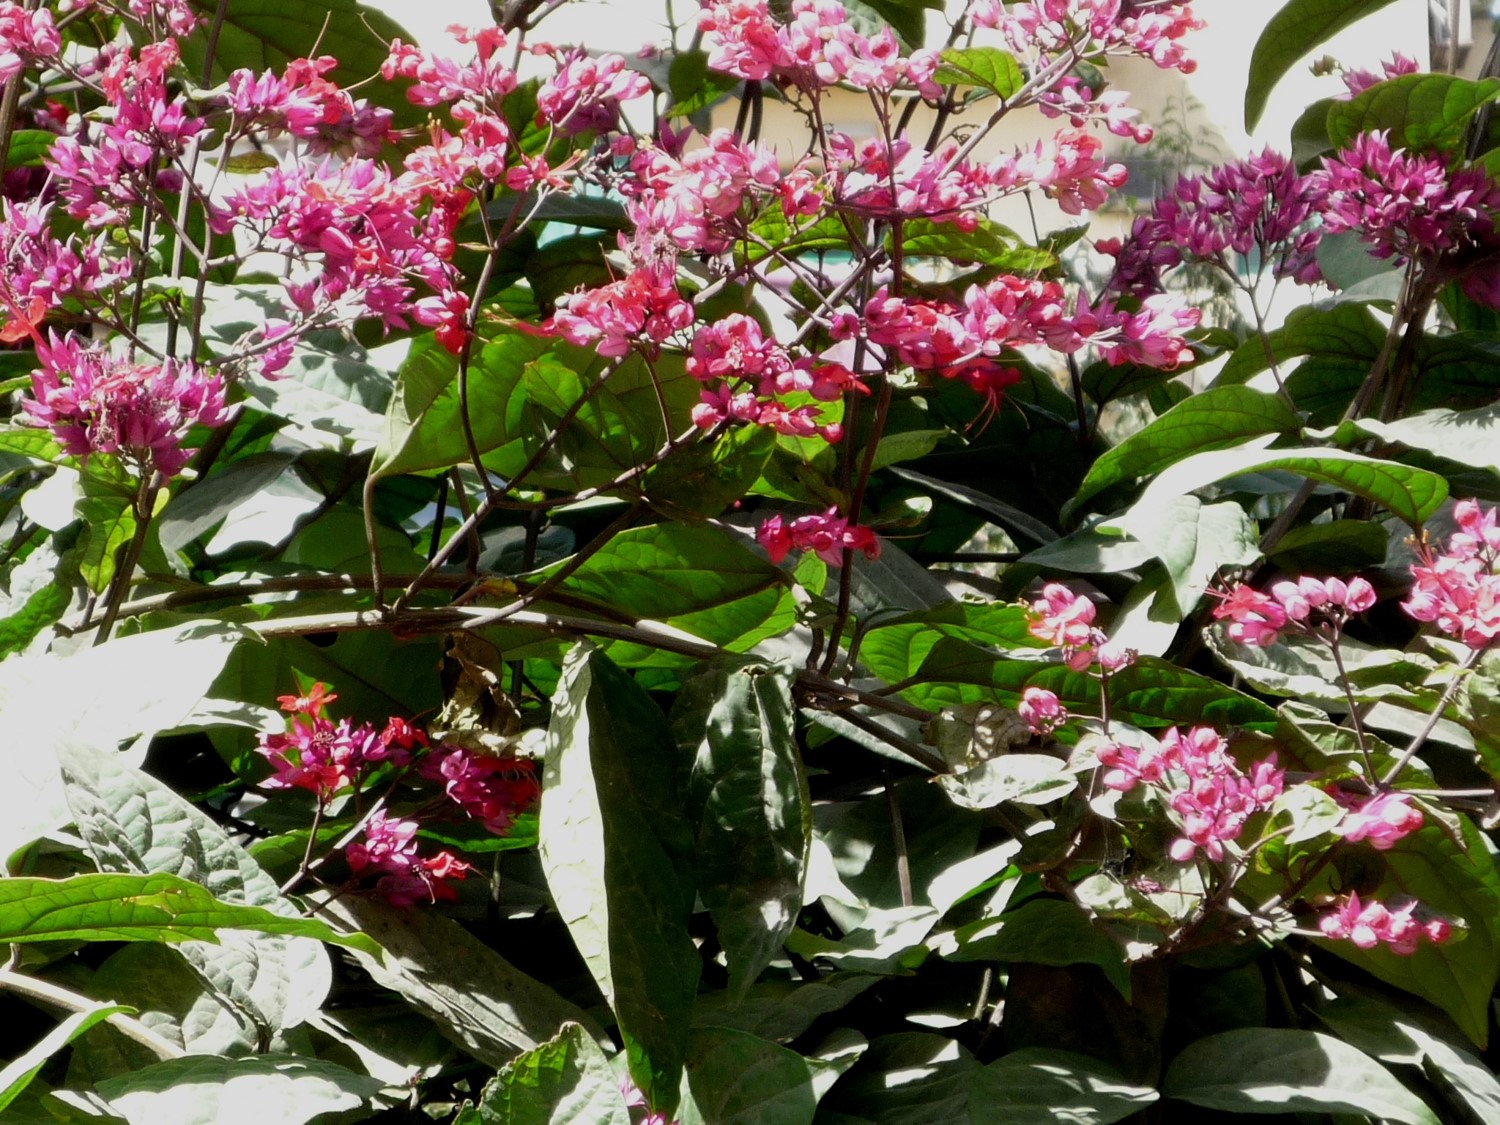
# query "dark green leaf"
(739, 1079)
(18, 1074)
(1310, 135)
(566, 1079)
(566, 264)
(749, 795)
(913, 1078)
(1214, 419)
(989, 244)
(1038, 1086)
(476, 998)
(1282, 1070)
(1347, 332)
(28, 147)
(780, 1010)
(617, 850)
(1045, 931)
(1015, 521)
(1342, 545)
(140, 908)
(694, 87)
(1292, 32)
(1422, 112)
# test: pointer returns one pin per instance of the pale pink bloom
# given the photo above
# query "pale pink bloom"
(1459, 590)
(1371, 924)
(1041, 710)
(1063, 618)
(1254, 618)
(1380, 819)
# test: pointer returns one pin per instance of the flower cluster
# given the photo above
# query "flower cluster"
(1041, 710)
(330, 758)
(95, 403)
(735, 349)
(303, 102)
(585, 93)
(24, 37)
(1459, 589)
(1256, 208)
(641, 310)
(827, 534)
(1316, 606)
(1066, 620)
(1152, 29)
(1405, 205)
(1358, 81)
(39, 271)
(818, 46)
(1379, 819)
(1204, 785)
(388, 852)
(1370, 924)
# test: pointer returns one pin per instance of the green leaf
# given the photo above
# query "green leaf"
(914, 1078)
(989, 67)
(140, 908)
(667, 570)
(476, 998)
(617, 851)
(1215, 419)
(739, 1079)
(1282, 1070)
(207, 1090)
(1470, 437)
(565, 1079)
(997, 511)
(18, 1073)
(906, 17)
(566, 264)
(132, 822)
(423, 426)
(770, 231)
(748, 793)
(1039, 1086)
(1150, 693)
(1460, 883)
(1031, 779)
(1327, 548)
(110, 518)
(1044, 931)
(176, 1002)
(1301, 667)
(1349, 333)
(28, 147)
(1421, 112)
(988, 244)
(694, 87)
(1193, 540)
(1392, 1035)
(1410, 493)
(780, 1010)
(1292, 32)
(708, 477)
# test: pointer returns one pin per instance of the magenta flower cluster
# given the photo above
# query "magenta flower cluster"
(1065, 619)
(1458, 590)
(1370, 924)
(1318, 606)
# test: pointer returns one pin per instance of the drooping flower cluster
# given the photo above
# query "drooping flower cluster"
(691, 203)
(37, 271)
(826, 534)
(94, 403)
(388, 853)
(1204, 786)
(1459, 589)
(818, 46)
(747, 376)
(25, 36)
(585, 93)
(1256, 208)
(641, 310)
(1315, 606)
(1379, 819)
(1370, 924)
(1152, 29)
(331, 758)
(1066, 619)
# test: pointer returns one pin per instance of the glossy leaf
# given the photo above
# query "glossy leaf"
(563, 1080)
(1194, 541)
(616, 848)
(1216, 418)
(749, 794)
(208, 1089)
(988, 244)
(1030, 779)
(140, 908)
(1348, 332)
(986, 67)
(1284, 1070)
(1421, 112)
(1045, 931)
(780, 1010)
(912, 1078)
(476, 998)
(1297, 28)
(1038, 1086)
(1471, 437)
(1407, 492)
(739, 1079)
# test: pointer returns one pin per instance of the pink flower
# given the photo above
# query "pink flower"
(1041, 710)
(640, 311)
(585, 93)
(1064, 618)
(1129, 766)
(1381, 818)
(94, 403)
(828, 535)
(1358, 81)
(389, 851)
(1459, 590)
(24, 37)
(489, 789)
(1372, 924)
(1254, 618)
(316, 754)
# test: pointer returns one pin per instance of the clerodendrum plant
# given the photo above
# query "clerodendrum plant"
(571, 468)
